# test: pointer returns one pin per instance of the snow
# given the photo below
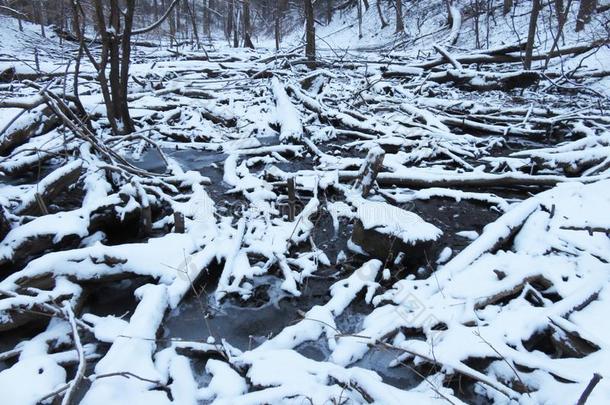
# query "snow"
(42, 374)
(225, 384)
(287, 114)
(230, 142)
(132, 353)
(391, 220)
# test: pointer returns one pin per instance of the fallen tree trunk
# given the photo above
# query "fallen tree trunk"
(39, 120)
(448, 180)
(485, 81)
(50, 186)
(5, 225)
(11, 74)
(506, 55)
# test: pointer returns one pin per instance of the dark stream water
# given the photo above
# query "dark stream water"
(246, 325)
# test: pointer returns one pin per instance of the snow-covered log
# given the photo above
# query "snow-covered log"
(288, 116)
(49, 187)
(369, 170)
(485, 81)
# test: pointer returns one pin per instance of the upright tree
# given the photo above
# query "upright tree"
(329, 11)
(531, 35)
(380, 13)
(310, 35)
(586, 10)
(400, 25)
(115, 29)
(247, 28)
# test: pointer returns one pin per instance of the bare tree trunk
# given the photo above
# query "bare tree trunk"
(400, 25)
(42, 17)
(128, 13)
(81, 50)
(380, 12)
(172, 29)
(191, 13)
(329, 11)
(508, 6)
(477, 15)
(563, 17)
(310, 35)
(178, 30)
(531, 36)
(278, 13)
(586, 10)
(62, 21)
(488, 15)
(211, 7)
(207, 20)
(235, 26)
(116, 52)
(247, 28)
(559, 11)
(359, 6)
(101, 66)
(229, 26)
(114, 75)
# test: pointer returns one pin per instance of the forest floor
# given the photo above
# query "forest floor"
(390, 227)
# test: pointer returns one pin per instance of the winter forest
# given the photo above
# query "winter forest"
(304, 202)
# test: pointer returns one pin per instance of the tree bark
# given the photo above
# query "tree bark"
(531, 36)
(400, 25)
(559, 11)
(562, 17)
(359, 6)
(42, 16)
(247, 28)
(235, 26)
(128, 126)
(380, 12)
(191, 12)
(586, 10)
(172, 28)
(277, 26)
(310, 35)
(229, 25)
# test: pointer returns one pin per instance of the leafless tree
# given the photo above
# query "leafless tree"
(115, 32)
(531, 35)
(586, 10)
(310, 34)
(247, 29)
(400, 25)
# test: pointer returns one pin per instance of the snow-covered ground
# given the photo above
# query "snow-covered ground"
(227, 253)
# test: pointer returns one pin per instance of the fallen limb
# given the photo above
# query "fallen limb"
(507, 55)
(25, 125)
(590, 387)
(50, 186)
(414, 178)
(82, 361)
(485, 81)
